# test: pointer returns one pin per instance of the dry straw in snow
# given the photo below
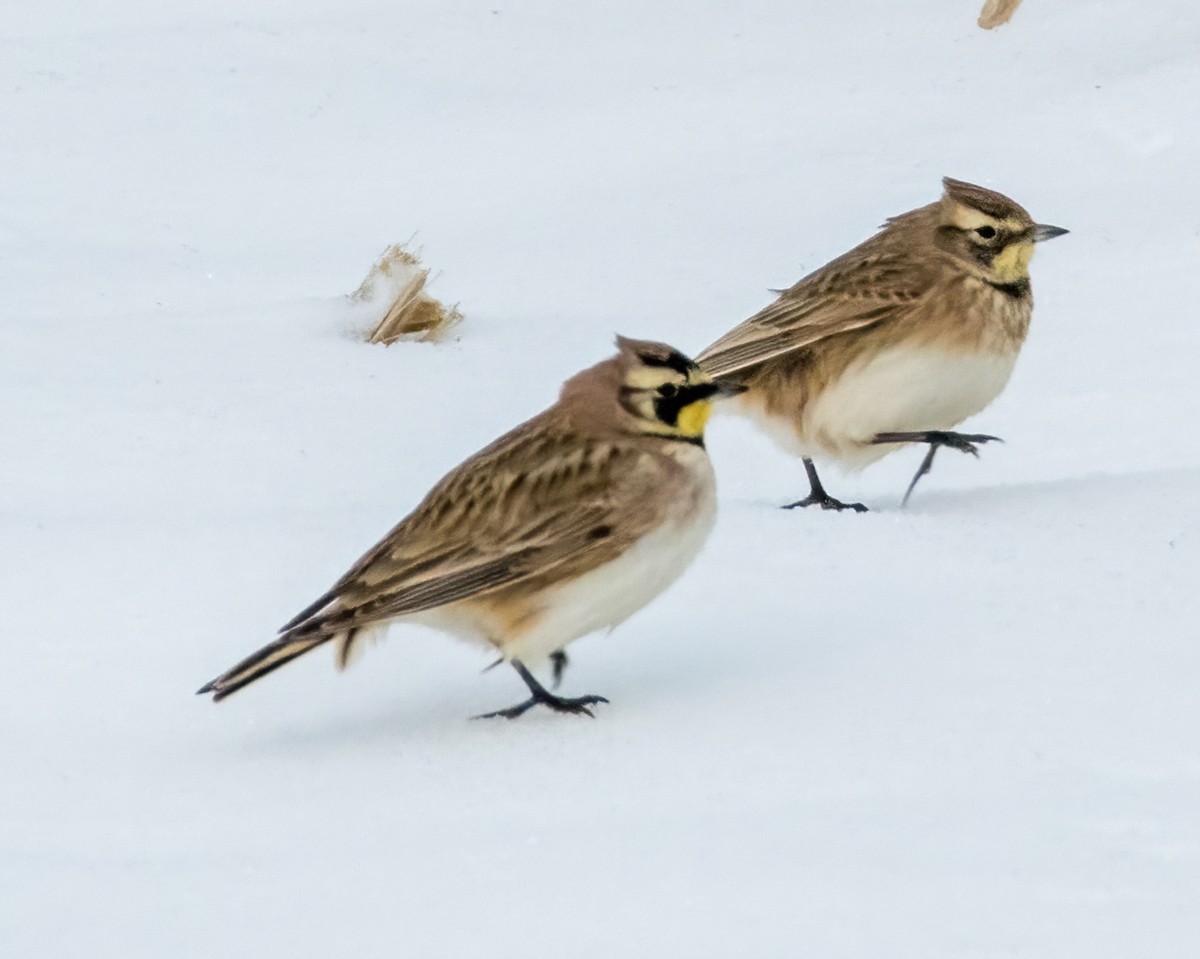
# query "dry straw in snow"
(996, 12)
(397, 281)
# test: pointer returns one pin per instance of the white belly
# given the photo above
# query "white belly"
(611, 594)
(901, 390)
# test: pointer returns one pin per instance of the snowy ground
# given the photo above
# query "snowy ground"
(965, 729)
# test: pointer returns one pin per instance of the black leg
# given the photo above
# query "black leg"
(964, 442)
(560, 704)
(559, 662)
(817, 495)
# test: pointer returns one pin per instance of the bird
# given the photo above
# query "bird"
(565, 525)
(893, 343)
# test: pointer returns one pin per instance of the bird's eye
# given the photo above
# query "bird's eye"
(986, 232)
(668, 390)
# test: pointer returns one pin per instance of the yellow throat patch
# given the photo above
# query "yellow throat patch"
(1012, 263)
(694, 417)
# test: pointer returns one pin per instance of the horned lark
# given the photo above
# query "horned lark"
(894, 342)
(568, 524)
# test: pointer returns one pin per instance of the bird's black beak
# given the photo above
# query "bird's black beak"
(1043, 232)
(712, 389)
(723, 388)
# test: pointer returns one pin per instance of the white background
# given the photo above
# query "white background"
(969, 728)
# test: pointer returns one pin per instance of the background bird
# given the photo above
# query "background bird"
(894, 342)
(567, 524)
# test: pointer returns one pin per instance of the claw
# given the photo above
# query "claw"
(577, 706)
(964, 442)
(817, 495)
(825, 501)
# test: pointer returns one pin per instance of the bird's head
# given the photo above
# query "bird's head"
(666, 393)
(990, 234)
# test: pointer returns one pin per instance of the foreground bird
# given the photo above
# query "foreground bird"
(896, 341)
(566, 525)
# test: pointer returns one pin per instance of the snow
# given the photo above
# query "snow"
(963, 729)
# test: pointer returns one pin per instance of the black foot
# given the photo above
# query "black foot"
(559, 662)
(817, 495)
(825, 501)
(579, 705)
(964, 442)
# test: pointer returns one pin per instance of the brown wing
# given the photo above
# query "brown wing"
(534, 502)
(857, 290)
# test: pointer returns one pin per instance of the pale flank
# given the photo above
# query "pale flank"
(566, 525)
(894, 342)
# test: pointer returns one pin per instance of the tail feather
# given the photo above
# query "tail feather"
(266, 660)
(309, 611)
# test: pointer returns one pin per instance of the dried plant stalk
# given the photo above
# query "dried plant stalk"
(411, 310)
(996, 12)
